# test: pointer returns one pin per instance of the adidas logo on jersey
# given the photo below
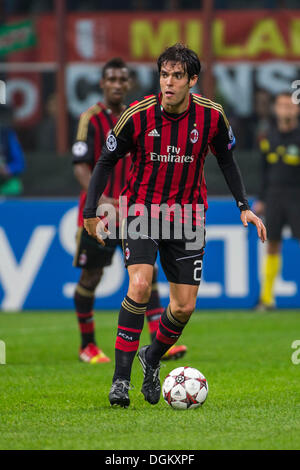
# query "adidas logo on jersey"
(153, 133)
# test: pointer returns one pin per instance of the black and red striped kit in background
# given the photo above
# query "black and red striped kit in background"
(95, 124)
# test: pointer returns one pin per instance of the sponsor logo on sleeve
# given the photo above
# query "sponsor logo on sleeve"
(111, 143)
(79, 149)
(231, 138)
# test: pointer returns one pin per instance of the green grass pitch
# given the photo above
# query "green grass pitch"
(49, 400)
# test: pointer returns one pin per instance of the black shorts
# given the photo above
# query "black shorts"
(180, 265)
(91, 254)
(282, 209)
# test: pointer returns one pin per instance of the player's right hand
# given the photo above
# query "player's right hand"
(249, 216)
(95, 227)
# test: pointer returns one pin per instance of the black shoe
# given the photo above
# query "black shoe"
(151, 386)
(118, 394)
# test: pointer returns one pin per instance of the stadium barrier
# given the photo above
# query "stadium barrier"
(37, 243)
(49, 175)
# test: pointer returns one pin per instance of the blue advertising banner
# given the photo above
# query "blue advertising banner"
(37, 244)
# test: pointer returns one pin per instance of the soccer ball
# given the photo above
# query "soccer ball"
(185, 388)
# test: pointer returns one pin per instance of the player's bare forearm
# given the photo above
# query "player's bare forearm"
(249, 216)
(259, 207)
(112, 215)
(108, 200)
(98, 183)
(83, 174)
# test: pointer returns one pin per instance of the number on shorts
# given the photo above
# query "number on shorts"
(197, 270)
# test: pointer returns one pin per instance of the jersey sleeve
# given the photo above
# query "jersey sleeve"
(83, 149)
(224, 139)
(118, 143)
(221, 146)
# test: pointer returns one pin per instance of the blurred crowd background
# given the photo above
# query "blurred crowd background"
(12, 7)
(255, 55)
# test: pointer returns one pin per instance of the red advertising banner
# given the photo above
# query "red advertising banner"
(23, 90)
(253, 35)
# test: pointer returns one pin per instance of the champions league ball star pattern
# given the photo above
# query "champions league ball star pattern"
(185, 388)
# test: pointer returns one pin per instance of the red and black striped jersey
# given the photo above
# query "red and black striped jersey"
(168, 154)
(94, 126)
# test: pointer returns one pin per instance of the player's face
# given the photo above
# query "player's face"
(175, 86)
(285, 109)
(115, 85)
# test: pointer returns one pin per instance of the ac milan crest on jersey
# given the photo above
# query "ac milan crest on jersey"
(82, 259)
(127, 253)
(194, 136)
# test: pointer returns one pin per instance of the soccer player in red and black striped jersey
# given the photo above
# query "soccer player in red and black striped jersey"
(168, 136)
(94, 126)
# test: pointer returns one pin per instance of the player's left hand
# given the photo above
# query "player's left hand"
(249, 216)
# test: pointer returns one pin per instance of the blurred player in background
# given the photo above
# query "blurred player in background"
(279, 198)
(94, 126)
(12, 160)
(168, 136)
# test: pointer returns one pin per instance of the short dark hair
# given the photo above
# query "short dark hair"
(182, 54)
(115, 63)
